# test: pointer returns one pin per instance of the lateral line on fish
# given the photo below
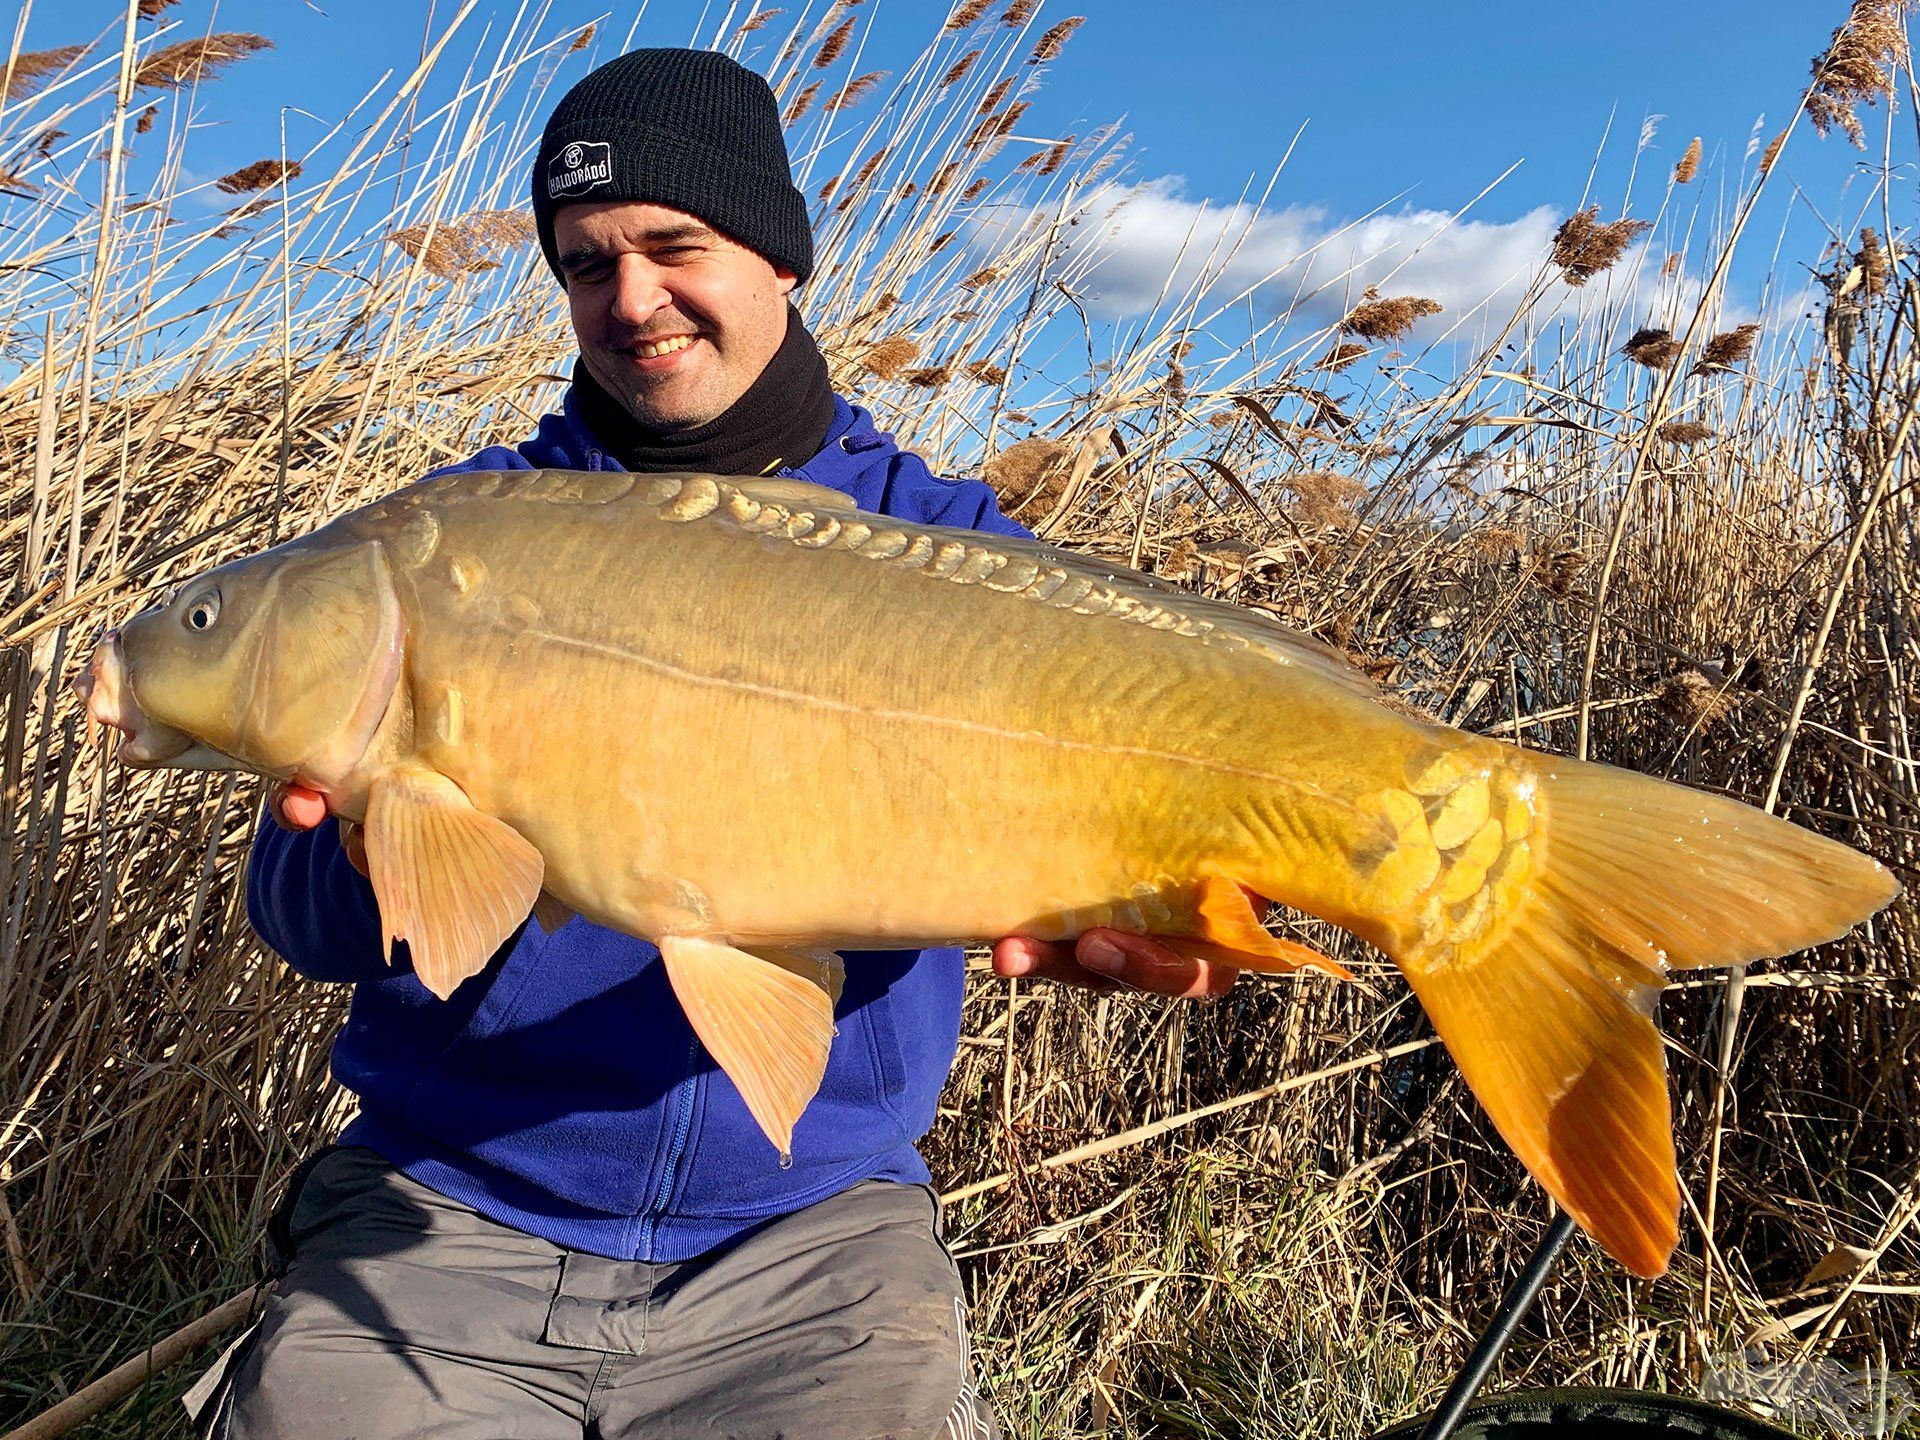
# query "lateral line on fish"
(1143, 752)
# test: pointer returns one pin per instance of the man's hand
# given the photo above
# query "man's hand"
(295, 807)
(1112, 960)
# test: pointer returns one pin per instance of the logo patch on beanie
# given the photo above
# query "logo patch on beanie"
(579, 167)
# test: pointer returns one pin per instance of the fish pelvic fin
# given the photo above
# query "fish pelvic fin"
(452, 881)
(1541, 943)
(766, 1018)
(1228, 931)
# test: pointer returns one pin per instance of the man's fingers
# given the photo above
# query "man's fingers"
(353, 840)
(296, 807)
(1112, 960)
(1138, 962)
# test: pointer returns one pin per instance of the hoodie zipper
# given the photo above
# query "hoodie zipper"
(676, 1150)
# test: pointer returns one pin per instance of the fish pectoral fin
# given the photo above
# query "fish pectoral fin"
(766, 1017)
(552, 912)
(452, 881)
(1230, 933)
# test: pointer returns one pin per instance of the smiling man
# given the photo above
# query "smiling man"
(552, 1215)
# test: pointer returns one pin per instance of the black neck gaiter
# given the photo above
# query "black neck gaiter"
(782, 420)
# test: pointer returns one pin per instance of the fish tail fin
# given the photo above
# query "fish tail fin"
(1543, 981)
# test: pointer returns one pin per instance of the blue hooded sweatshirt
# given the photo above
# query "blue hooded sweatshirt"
(561, 1091)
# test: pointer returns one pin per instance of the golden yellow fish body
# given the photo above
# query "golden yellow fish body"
(723, 716)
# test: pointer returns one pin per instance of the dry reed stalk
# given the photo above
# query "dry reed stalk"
(194, 60)
(1585, 245)
(1375, 318)
(1050, 44)
(1655, 349)
(1688, 165)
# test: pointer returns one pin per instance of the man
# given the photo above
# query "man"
(552, 1215)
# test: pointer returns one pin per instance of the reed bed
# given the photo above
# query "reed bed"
(1642, 529)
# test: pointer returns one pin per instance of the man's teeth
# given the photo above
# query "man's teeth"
(665, 347)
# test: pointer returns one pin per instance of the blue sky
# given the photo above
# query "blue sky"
(1415, 107)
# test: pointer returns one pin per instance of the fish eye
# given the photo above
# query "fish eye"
(201, 614)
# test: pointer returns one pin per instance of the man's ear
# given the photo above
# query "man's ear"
(784, 279)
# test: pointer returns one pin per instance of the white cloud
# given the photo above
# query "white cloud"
(1132, 245)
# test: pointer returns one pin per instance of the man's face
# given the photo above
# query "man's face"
(674, 319)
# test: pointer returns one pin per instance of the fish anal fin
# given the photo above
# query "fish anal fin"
(1227, 929)
(552, 912)
(1567, 1062)
(766, 1017)
(452, 881)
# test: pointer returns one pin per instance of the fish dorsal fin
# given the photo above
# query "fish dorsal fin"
(452, 881)
(766, 1017)
(552, 912)
(1228, 930)
(779, 490)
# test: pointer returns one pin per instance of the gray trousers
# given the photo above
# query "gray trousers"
(405, 1314)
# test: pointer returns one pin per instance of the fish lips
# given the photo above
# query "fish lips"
(106, 687)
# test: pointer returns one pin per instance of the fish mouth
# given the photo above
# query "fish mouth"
(107, 689)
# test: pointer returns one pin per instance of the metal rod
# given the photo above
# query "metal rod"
(1513, 1308)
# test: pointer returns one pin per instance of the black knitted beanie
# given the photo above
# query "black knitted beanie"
(688, 128)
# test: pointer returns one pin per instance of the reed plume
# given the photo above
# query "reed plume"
(831, 48)
(194, 60)
(967, 14)
(37, 65)
(1689, 164)
(1858, 66)
(258, 176)
(957, 71)
(1655, 349)
(1585, 245)
(1055, 39)
(1727, 349)
(1375, 318)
